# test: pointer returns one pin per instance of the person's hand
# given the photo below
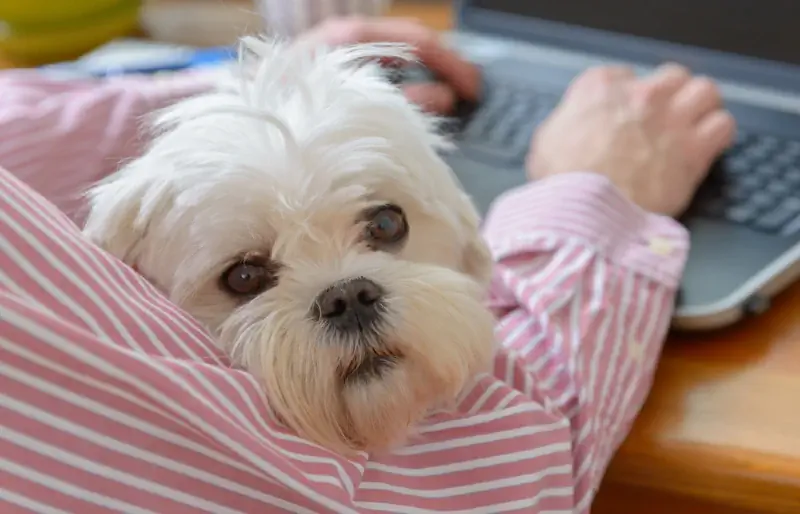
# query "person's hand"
(459, 79)
(654, 137)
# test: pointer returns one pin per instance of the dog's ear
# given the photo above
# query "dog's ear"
(123, 208)
(476, 257)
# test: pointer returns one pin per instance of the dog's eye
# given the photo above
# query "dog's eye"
(248, 278)
(387, 225)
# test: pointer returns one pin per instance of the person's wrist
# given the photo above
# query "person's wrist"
(627, 190)
(621, 184)
(587, 206)
(630, 190)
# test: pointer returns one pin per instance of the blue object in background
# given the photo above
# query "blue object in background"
(201, 58)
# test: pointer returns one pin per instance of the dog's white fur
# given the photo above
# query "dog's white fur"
(281, 162)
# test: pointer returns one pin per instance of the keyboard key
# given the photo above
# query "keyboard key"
(767, 170)
(788, 210)
(777, 188)
(786, 158)
(770, 142)
(792, 227)
(762, 199)
(792, 176)
(757, 152)
(752, 181)
(740, 213)
(500, 130)
(738, 165)
(742, 138)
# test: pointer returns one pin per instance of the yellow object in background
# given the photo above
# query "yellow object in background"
(35, 32)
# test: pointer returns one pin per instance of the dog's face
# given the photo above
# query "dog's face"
(305, 217)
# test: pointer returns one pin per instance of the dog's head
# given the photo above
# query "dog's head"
(303, 214)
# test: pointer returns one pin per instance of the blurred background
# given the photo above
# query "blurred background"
(41, 32)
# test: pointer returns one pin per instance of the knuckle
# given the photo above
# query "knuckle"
(602, 77)
(588, 78)
(676, 69)
(706, 87)
(599, 73)
(647, 93)
(611, 73)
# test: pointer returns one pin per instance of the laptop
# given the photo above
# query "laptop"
(745, 220)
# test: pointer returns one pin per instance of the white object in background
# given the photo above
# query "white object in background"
(201, 23)
(128, 52)
(289, 18)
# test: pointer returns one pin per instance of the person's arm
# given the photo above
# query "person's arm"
(61, 136)
(584, 287)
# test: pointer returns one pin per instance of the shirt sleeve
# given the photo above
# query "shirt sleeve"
(584, 287)
(60, 136)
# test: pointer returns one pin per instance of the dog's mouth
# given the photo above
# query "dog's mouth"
(372, 365)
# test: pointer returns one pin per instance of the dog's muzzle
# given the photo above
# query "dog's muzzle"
(351, 306)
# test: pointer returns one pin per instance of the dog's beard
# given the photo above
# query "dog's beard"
(366, 393)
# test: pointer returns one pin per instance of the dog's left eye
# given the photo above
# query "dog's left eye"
(386, 225)
(248, 278)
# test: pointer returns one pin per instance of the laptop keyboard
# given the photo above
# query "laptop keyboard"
(757, 182)
(500, 131)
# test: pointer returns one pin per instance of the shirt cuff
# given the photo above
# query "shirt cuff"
(588, 207)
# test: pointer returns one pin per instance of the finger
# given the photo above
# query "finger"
(699, 97)
(665, 81)
(435, 98)
(617, 72)
(449, 67)
(715, 133)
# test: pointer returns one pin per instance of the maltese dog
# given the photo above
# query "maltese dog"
(302, 212)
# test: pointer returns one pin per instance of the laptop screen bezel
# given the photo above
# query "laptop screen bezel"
(725, 66)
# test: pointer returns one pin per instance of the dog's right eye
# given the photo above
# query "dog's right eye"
(248, 278)
(386, 226)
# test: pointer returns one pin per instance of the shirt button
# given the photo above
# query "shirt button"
(635, 351)
(660, 246)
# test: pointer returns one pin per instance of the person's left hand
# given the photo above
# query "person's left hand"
(459, 80)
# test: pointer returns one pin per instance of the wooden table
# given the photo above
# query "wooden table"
(720, 432)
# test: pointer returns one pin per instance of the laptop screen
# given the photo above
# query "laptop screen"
(765, 29)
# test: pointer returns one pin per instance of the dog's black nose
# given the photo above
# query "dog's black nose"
(351, 305)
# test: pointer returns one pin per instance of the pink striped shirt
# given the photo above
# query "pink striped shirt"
(114, 400)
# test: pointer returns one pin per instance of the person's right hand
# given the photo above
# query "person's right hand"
(655, 137)
(457, 79)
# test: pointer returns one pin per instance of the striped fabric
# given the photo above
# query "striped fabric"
(113, 400)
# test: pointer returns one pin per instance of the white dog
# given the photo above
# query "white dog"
(303, 214)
